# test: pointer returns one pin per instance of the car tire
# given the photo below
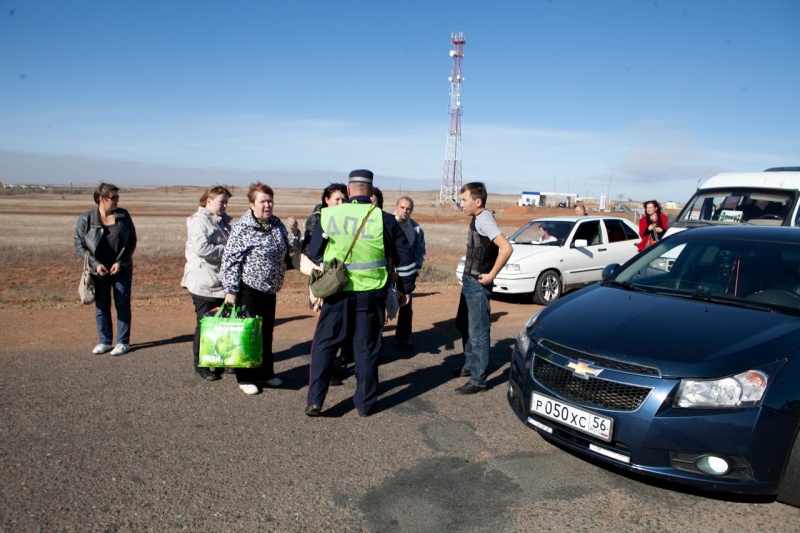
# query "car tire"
(789, 489)
(548, 288)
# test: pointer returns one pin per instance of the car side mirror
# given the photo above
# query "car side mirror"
(580, 243)
(608, 270)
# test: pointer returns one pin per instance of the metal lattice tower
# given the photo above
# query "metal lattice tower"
(451, 177)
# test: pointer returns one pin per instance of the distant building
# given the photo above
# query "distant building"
(548, 199)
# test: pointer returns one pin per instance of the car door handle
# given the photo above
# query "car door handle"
(602, 249)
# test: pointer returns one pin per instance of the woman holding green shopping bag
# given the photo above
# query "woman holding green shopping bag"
(253, 268)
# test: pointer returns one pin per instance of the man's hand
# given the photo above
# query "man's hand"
(485, 279)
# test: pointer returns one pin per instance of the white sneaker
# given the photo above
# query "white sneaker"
(101, 348)
(120, 349)
(249, 389)
(274, 382)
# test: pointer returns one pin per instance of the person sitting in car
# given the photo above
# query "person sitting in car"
(544, 236)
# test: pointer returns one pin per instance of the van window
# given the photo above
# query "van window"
(738, 206)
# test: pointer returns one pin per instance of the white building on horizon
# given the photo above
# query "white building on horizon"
(548, 199)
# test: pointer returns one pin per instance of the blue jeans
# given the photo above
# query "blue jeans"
(120, 285)
(473, 321)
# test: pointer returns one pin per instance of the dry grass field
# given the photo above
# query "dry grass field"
(40, 263)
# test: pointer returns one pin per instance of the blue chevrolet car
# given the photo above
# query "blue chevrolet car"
(682, 364)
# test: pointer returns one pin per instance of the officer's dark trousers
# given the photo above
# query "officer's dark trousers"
(360, 313)
(404, 315)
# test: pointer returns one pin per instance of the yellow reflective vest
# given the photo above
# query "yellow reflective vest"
(367, 261)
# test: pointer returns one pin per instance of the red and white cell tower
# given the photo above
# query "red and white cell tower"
(451, 177)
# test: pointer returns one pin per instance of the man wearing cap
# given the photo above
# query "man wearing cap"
(416, 238)
(357, 312)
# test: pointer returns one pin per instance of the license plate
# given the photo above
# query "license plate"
(569, 415)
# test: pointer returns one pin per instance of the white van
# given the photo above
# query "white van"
(768, 198)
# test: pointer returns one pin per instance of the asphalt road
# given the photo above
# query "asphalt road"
(98, 443)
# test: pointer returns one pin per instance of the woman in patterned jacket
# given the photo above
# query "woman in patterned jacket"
(253, 267)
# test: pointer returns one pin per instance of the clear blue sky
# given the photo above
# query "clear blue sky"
(642, 97)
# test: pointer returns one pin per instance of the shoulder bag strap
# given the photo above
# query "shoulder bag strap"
(358, 233)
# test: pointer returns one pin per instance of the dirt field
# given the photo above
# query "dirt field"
(41, 269)
(40, 265)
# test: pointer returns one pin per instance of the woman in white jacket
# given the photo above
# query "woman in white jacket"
(208, 231)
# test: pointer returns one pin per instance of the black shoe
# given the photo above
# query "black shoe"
(207, 374)
(462, 373)
(313, 409)
(338, 375)
(230, 370)
(469, 388)
(404, 343)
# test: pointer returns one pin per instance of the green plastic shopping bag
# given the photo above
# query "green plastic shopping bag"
(230, 341)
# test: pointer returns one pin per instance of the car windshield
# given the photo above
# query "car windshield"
(739, 206)
(749, 273)
(550, 232)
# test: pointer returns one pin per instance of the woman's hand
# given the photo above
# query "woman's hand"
(292, 225)
(115, 268)
(231, 298)
(101, 270)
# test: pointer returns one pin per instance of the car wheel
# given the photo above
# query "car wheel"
(789, 489)
(548, 288)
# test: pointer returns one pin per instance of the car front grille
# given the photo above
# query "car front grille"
(611, 364)
(591, 392)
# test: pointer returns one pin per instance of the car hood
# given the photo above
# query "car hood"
(683, 338)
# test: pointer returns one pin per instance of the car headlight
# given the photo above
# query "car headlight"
(524, 339)
(512, 267)
(742, 390)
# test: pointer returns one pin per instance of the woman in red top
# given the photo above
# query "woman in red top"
(652, 225)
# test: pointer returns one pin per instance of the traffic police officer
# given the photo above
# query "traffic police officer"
(360, 308)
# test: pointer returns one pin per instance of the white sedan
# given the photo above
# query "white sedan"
(552, 255)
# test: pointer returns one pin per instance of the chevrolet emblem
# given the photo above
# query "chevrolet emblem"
(583, 370)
